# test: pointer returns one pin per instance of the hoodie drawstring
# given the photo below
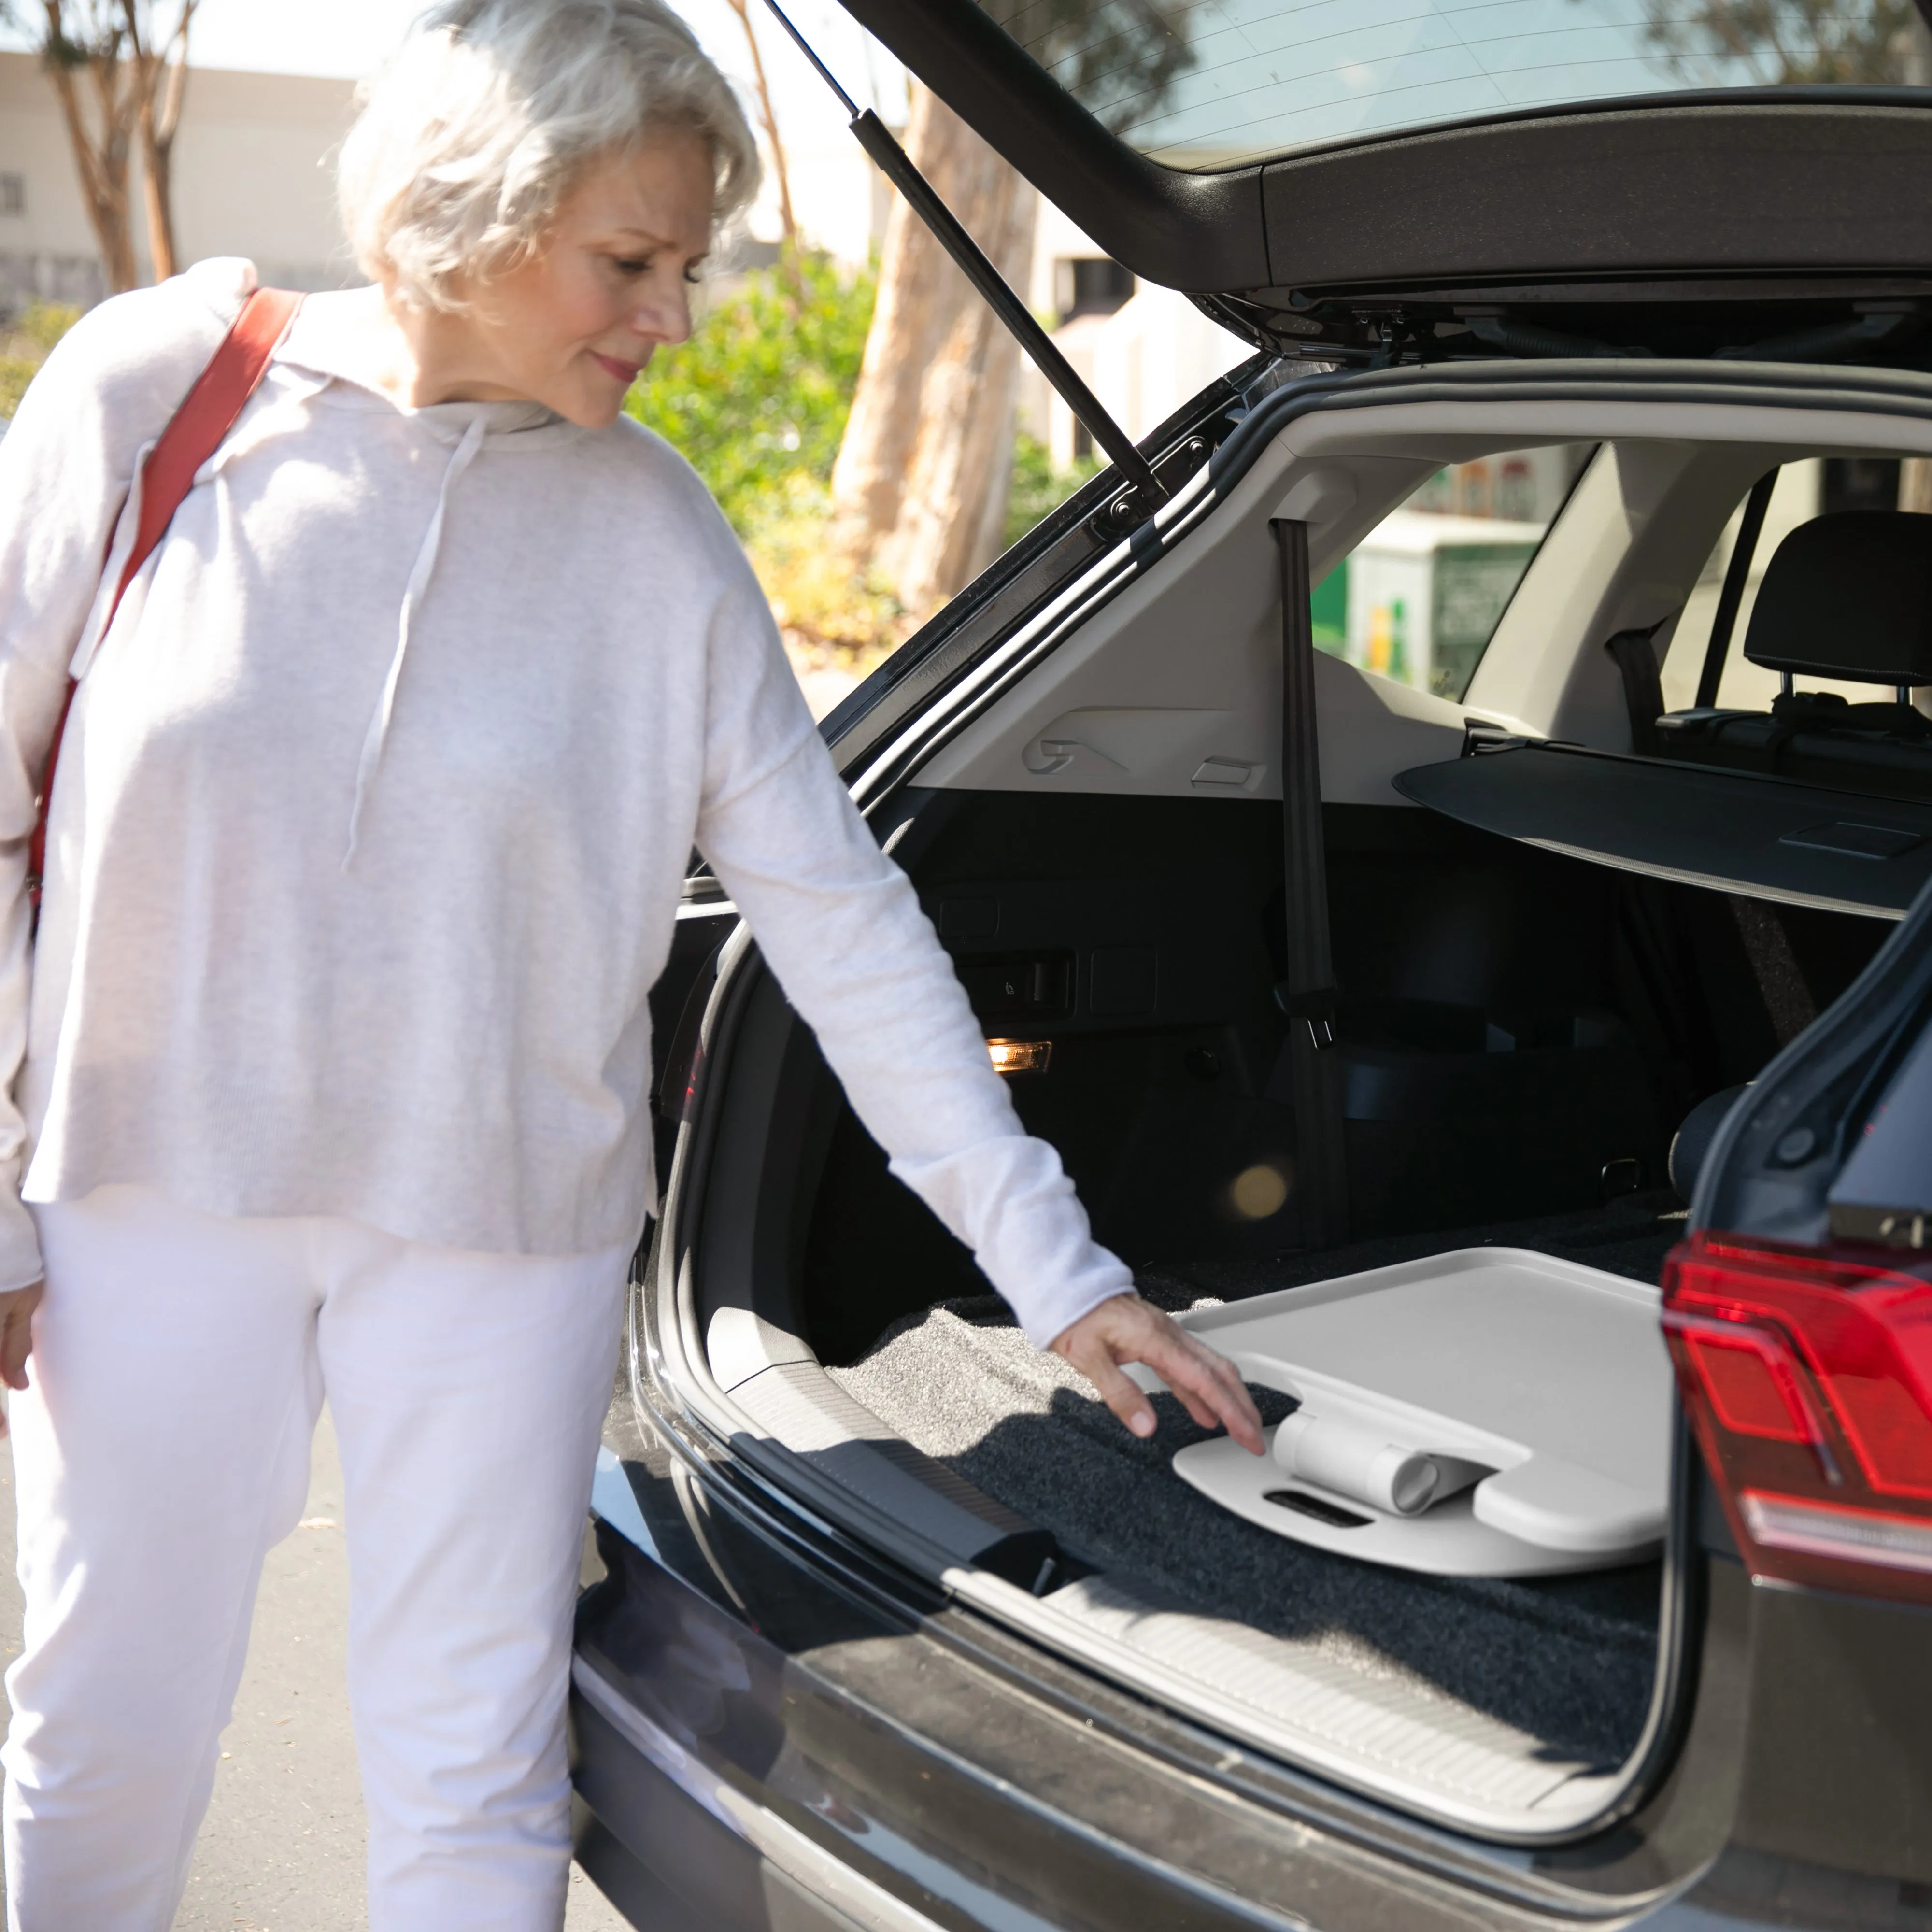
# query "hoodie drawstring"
(419, 576)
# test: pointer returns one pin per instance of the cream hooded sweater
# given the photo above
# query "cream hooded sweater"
(373, 812)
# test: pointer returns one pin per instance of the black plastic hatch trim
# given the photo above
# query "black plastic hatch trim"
(1796, 183)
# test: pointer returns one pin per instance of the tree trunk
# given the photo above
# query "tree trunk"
(102, 164)
(156, 163)
(135, 82)
(768, 114)
(919, 489)
(163, 85)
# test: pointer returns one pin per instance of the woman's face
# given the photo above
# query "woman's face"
(572, 326)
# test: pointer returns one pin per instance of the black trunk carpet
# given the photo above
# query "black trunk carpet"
(1568, 1660)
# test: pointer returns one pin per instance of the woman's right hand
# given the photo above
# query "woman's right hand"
(17, 1336)
(1126, 1329)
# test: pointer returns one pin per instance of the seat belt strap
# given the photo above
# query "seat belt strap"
(1635, 656)
(1307, 995)
(194, 432)
(1737, 580)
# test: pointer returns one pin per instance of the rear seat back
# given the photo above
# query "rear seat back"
(1847, 597)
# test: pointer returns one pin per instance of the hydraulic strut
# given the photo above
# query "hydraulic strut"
(876, 138)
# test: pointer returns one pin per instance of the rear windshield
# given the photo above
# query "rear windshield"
(1214, 83)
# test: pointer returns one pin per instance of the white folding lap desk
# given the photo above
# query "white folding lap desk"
(1490, 1412)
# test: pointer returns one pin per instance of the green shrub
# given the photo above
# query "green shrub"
(757, 400)
(43, 324)
(815, 595)
(16, 373)
(26, 345)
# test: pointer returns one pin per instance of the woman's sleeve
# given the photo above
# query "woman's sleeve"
(65, 464)
(840, 926)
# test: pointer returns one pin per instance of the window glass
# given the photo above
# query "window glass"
(1418, 599)
(1215, 83)
(1818, 487)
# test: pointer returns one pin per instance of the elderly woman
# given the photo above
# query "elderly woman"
(330, 1054)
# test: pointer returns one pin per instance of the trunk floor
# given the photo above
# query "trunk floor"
(1568, 1660)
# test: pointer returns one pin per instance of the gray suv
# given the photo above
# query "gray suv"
(1475, 790)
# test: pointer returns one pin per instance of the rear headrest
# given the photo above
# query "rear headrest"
(1850, 596)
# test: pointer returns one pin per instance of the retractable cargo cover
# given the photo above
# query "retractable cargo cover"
(1738, 832)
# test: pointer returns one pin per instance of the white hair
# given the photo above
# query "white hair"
(471, 137)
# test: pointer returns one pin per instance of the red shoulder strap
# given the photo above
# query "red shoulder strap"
(208, 412)
(194, 432)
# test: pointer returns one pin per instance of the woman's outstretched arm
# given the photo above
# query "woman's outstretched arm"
(842, 927)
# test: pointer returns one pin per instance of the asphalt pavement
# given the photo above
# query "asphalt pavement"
(281, 1850)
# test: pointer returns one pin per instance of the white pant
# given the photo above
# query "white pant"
(180, 1360)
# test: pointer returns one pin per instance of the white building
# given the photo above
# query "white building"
(252, 175)
(1143, 350)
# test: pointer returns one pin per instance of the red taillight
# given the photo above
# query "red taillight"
(1750, 1380)
(1807, 1372)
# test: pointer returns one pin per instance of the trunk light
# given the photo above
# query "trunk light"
(1808, 1373)
(1020, 1056)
